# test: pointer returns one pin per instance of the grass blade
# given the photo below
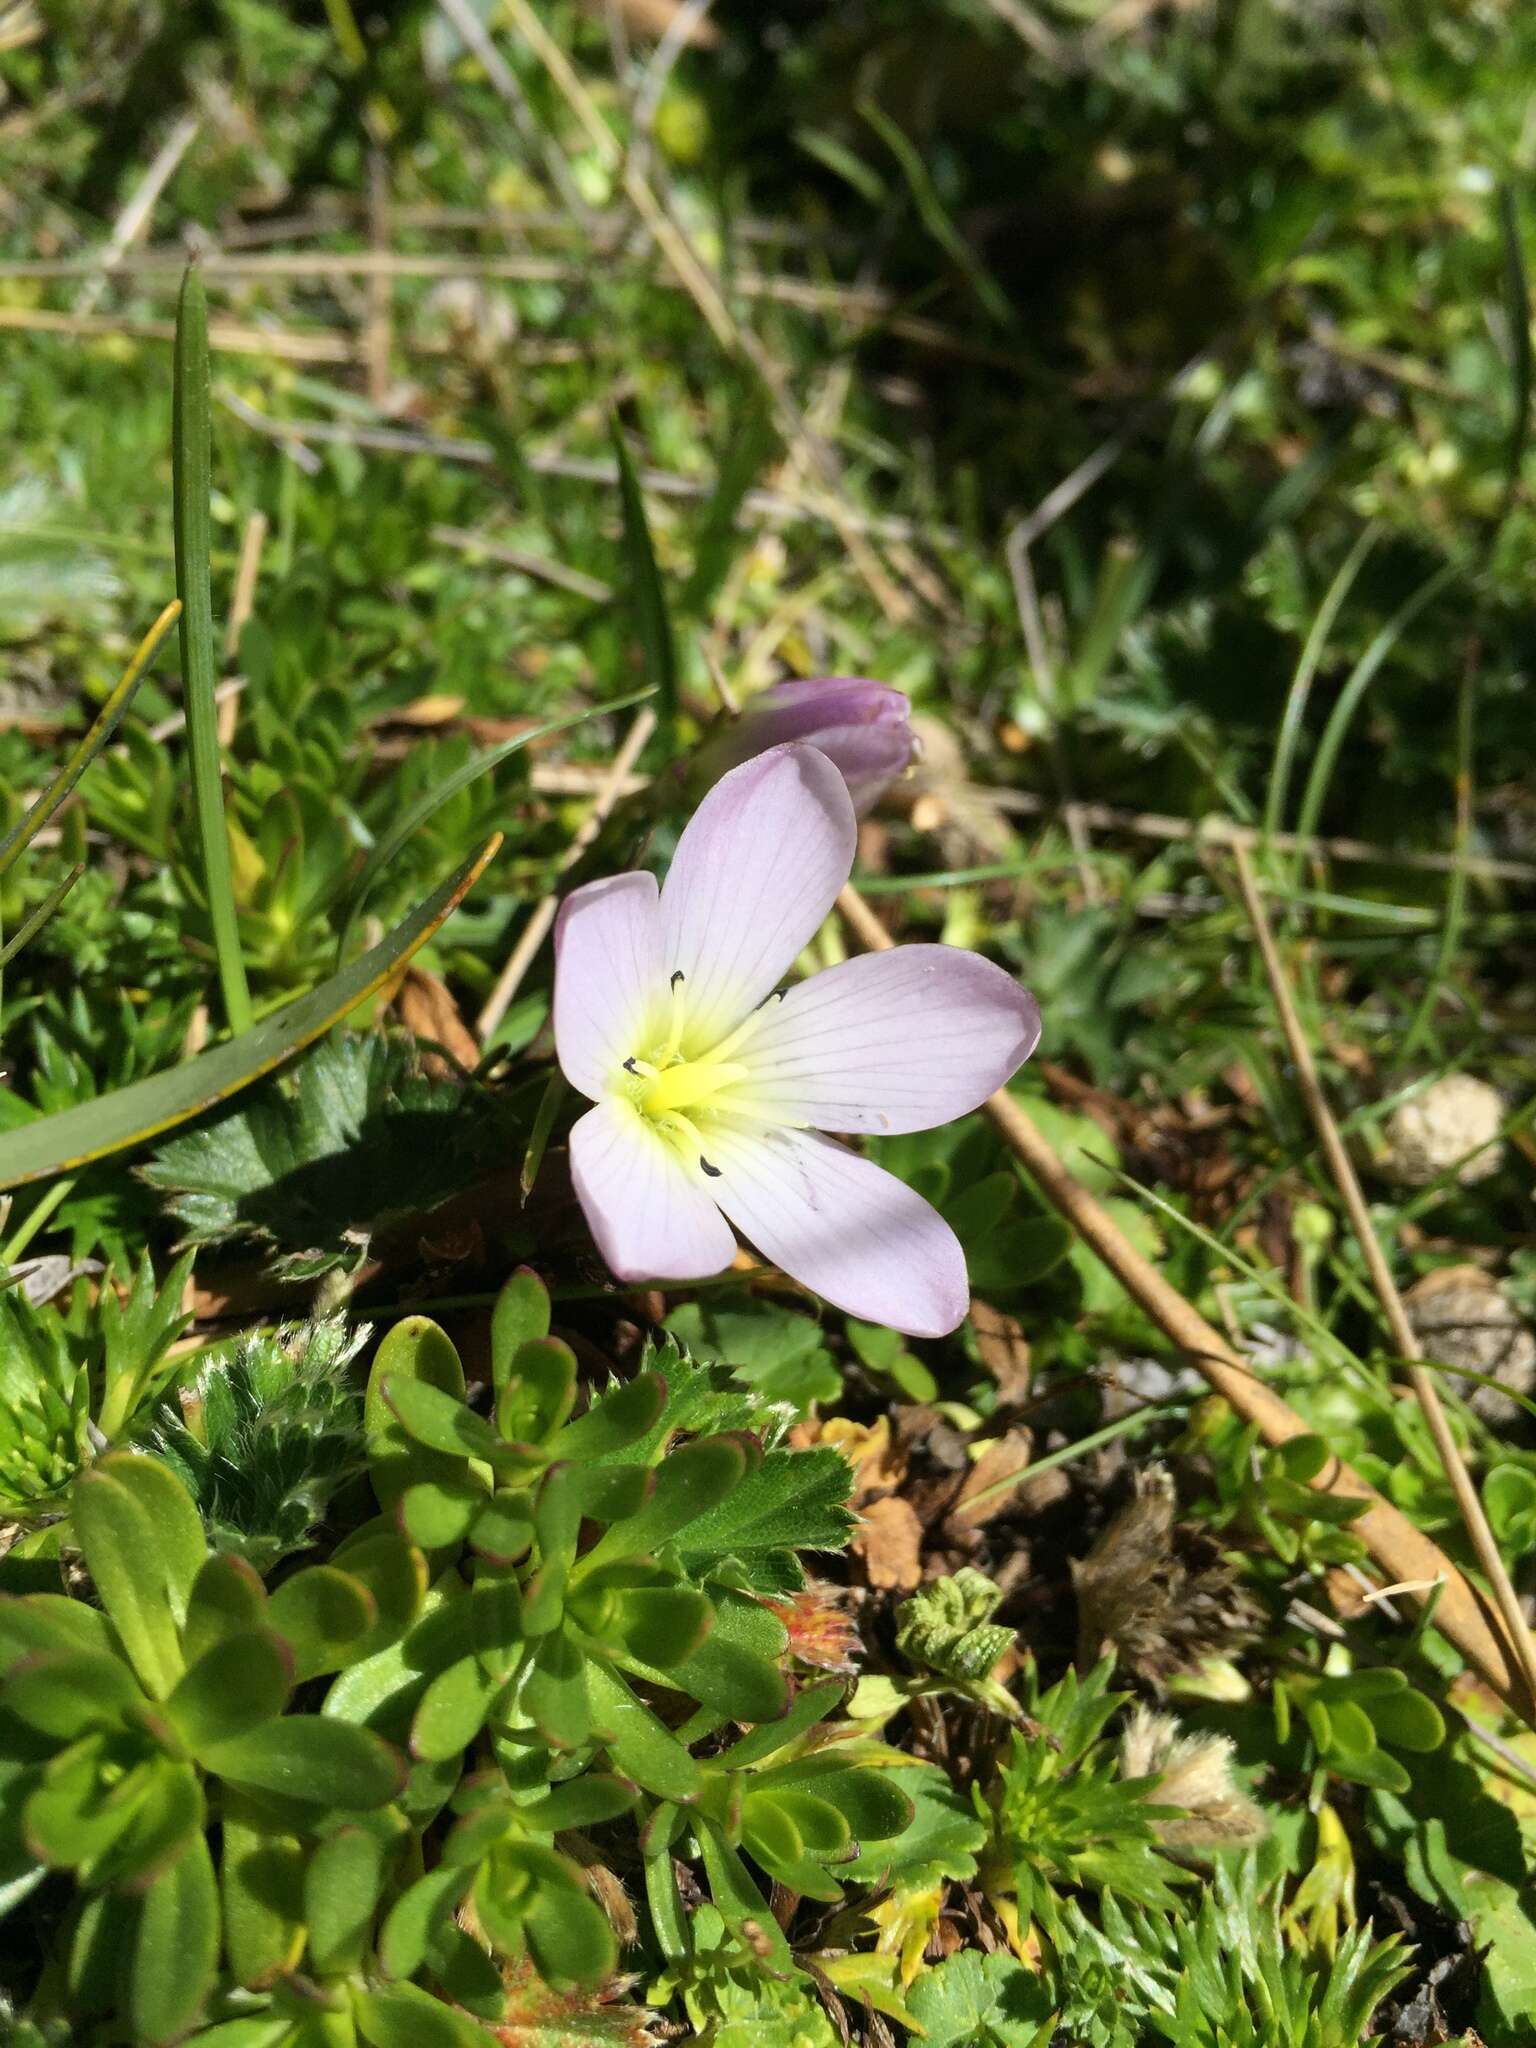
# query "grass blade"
(192, 462)
(653, 626)
(34, 924)
(92, 1130)
(102, 728)
(1306, 673)
(1360, 680)
(1517, 310)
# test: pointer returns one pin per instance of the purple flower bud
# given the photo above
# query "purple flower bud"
(864, 728)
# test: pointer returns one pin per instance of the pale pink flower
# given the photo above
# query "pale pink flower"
(864, 729)
(714, 1087)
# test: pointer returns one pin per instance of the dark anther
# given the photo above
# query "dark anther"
(629, 1065)
(712, 1171)
(677, 976)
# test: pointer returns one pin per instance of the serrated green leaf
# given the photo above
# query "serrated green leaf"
(794, 1501)
(982, 2001)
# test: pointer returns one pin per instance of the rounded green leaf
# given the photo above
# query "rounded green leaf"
(873, 1804)
(615, 1421)
(414, 1919)
(437, 1513)
(582, 1802)
(180, 1548)
(435, 1421)
(538, 1393)
(65, 1693)
(66, 1821)
(402, 2016)
(503, 1530)
(821, 1827)
(416, 1349)
(453, 1710)
(170, 1818)
(119, 1541)
(394, 1572)
(227, 1598)
(324, 1616)
(261, 1874)
(342, 1889)
(239, 1684)
(305, 1756)
(688, 1483)
(521, 1316)
(1407, 1720)
(569, 1937)
(176, 1948)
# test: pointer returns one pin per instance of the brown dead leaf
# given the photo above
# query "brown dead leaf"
(1004, 1349)
(889, 1544)
(1006, 1458)
(437, 709)
(427, 1010)
(879, 1464)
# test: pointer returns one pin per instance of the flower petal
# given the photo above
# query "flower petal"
(755, 872)
(608, 977)
(652, 1218)
(842, 1225)
(864, 728)
(897, 1041)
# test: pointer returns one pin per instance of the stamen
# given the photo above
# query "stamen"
(631, 1066)
(712, 1171)
(677, 976)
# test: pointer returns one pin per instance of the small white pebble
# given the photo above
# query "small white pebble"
(1457, 1117)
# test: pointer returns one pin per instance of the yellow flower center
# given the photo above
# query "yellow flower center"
(678, 1093)
(688, 1083)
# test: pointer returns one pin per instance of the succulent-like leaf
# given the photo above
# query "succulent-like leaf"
(238, 1684)
(521, 1316)
(324, 1762)
(122, 1555)
(342, 1889)
(176, 1948)
(324, 1616)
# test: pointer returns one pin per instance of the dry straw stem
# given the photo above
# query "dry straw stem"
(1341, 1166)
(704, 289)
(536, 929)
(1405, 1554)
